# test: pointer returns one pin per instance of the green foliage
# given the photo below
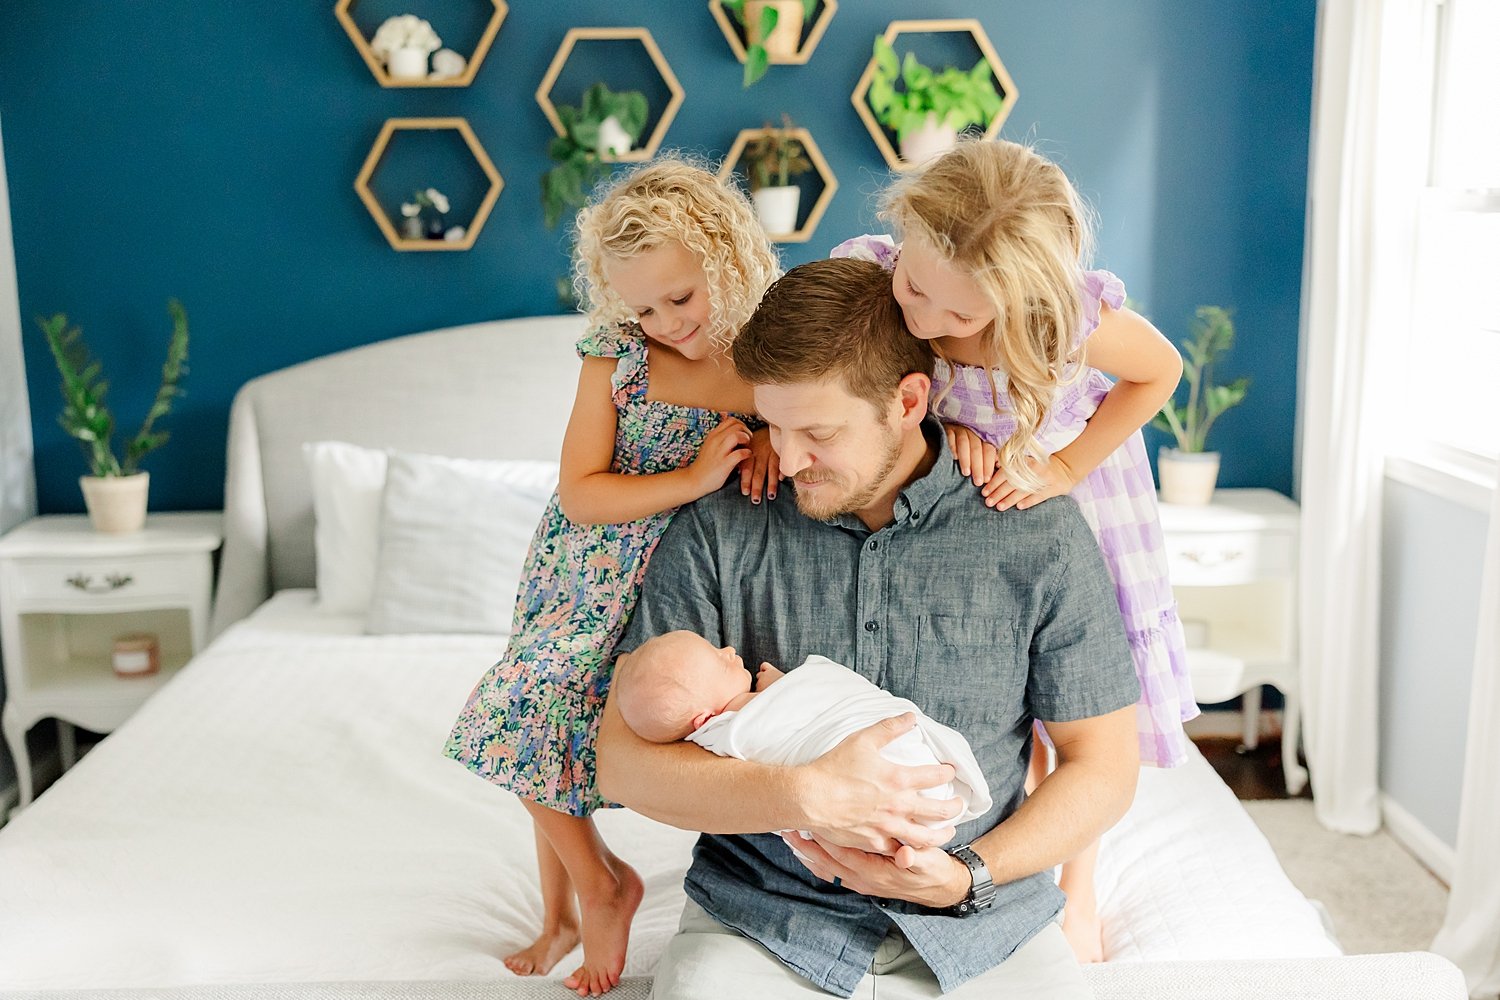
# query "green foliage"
(757, 59)
(774, 157)
(958, 98)
(565, 187)
(85, 415)
(1212, 335)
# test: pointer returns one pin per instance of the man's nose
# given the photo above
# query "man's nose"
(792, 459)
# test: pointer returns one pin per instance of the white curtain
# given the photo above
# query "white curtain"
(1365, 173)
(1471, 931)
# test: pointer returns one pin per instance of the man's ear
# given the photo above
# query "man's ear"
(912, 393)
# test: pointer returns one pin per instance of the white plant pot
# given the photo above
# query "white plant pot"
(613, 139)
(776, 207)
(116, 503)
(932, 139)
(1187, 477)
(786, 37)
(407, 63)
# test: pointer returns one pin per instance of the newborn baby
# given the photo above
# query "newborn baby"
(679, 686)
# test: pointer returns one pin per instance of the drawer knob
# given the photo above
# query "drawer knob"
(112, 582)
(1209, 560)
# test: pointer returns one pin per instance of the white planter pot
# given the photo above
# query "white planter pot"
(407, 64)
(613, 139)
(1187, 477)
(786, 38)
(776, 207)
(932, 139)
(116, 503)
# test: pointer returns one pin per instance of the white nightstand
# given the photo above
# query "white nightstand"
(66, 591)
(1234, 572)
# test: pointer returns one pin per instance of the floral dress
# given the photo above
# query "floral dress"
(531, 722)
(1118, 500)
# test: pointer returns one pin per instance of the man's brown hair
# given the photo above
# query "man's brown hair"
(832, 319)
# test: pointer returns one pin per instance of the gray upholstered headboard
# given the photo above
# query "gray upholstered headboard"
(492, 390)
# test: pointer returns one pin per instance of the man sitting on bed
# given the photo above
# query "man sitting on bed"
(890, 562)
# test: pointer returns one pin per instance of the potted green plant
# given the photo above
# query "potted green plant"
(933, 107)
(773, 31)
(771, 160)
(1189, 472)
(115, 491)
(605, 126)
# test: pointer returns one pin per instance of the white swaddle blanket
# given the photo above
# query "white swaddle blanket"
(816, 706)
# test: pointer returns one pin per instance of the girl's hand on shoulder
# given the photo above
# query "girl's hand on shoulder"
(977, 458)
(723, 449)
(761, 472)
(1057, 479)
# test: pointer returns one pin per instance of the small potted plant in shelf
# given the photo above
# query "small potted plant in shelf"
(605, 127)
(115, 491)
(1188, 472)
(425, 216)
(772, 159)
(403, 43)
(928, 114)
(773, 31)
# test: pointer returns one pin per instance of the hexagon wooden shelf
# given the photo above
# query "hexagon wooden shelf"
(804, 232)
(732, 33)
(343, 10)
(575, 35)
(1003, 82)
(378, 212)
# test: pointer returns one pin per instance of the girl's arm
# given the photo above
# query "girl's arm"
(591, 494)
(1146, 368)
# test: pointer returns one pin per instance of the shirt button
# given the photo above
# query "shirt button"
(872, 626)
(874, 545)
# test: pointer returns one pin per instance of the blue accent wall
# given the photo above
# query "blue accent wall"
(207, 151)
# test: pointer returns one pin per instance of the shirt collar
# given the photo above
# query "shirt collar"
(921, 494)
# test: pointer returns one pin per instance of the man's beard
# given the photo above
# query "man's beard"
(827, 503)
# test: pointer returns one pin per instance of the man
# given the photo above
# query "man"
(888, 562)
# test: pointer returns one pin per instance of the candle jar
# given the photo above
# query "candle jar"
(136, 654)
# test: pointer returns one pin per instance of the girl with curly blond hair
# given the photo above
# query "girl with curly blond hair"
(671, 263)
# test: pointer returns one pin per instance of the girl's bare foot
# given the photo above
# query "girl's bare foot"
(1084, 932)
(538, 958)
(607, 911)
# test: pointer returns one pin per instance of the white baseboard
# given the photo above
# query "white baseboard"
(1426, 846)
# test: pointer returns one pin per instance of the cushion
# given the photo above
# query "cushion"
(453, 534)
(347, 482)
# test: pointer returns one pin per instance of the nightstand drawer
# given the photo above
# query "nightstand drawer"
(1223, 558)
(102, 582)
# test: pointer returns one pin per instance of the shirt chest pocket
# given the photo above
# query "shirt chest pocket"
(966, 669)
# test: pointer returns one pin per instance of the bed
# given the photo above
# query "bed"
(278, 820)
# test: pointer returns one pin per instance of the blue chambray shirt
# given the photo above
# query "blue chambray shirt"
(985, 619)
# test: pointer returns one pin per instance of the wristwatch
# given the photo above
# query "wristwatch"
(981, 889)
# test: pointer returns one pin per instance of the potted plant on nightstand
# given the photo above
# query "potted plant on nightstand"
(1188, 472)
(607, 125)
(772, 159)
(933, 107)
(115, 492)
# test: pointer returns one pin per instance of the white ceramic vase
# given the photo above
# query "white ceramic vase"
(407, 63)
(613, 139)
(776, 207)
(782, 44)
(116, 504)
(932, 139)
(1187, 477)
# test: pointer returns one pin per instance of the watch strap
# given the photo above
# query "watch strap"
(981, 887)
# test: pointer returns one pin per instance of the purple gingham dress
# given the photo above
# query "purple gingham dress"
(1118, 500)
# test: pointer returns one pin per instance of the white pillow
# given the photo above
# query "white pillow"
(454, 534)
(347, 482)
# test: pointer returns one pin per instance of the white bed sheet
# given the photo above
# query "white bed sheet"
(281, 812)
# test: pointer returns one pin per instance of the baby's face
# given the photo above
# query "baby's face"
(720, 677)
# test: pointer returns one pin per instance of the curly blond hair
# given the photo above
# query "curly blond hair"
(1009, 218)
(672, 199)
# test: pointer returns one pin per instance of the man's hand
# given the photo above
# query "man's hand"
(927, 877)
(853, 797)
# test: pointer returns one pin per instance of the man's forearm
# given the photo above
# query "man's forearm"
(686, 786)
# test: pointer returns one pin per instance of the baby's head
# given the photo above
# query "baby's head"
(675, 683)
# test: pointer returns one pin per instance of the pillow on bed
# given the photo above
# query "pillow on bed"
(347, 481)
(453, 536)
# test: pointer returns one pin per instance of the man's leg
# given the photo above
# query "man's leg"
(706, 959)
(1041, 969)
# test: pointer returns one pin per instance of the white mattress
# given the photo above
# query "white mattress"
(281, 812)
